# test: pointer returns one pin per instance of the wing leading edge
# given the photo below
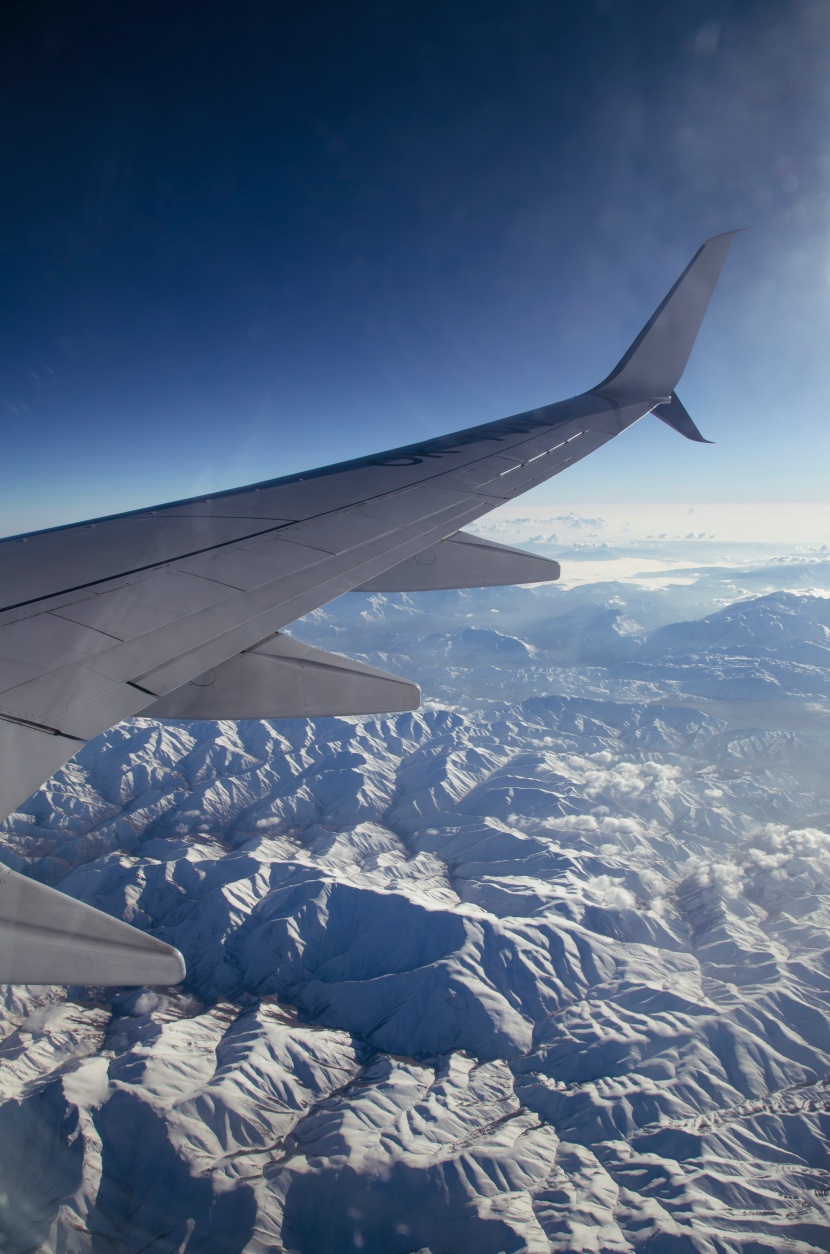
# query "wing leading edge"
(130, 613)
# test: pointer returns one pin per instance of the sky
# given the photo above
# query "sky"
(243, 240)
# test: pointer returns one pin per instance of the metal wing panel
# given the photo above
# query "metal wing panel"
(42, 644)
(68, 558)
(145, 603)
(245, 567)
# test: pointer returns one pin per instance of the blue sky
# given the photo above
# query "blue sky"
(243, 240)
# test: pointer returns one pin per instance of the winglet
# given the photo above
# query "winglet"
(675, 415)
(655, 361)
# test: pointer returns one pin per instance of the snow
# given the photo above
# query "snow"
(543, 967)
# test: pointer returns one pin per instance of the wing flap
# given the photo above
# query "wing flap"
(283, 678)
(49, 938)
(464, 561)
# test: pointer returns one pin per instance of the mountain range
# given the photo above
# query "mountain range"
(544, 966)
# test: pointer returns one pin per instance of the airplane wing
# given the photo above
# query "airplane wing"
(177, 611)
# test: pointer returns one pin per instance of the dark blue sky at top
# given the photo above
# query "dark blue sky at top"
(242, 239)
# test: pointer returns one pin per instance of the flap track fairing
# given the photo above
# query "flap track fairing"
(283, 678)
(464, 561)
(49, 938)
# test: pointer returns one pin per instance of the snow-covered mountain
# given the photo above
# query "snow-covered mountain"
(543, 967)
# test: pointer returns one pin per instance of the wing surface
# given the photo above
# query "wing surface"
(100, 620)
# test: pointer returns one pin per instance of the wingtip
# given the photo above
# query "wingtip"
(738, 230)
(675, 415)
(656, 359)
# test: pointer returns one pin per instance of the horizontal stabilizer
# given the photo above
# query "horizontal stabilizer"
(283, 678)
(464, 561)
(655, 361)
(674, 413)
(49, 938)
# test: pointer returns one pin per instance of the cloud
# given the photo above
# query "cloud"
(631, 779)
(579, 521)
(610, 892)
(653, 882)
(776, 845)
(726, 878)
